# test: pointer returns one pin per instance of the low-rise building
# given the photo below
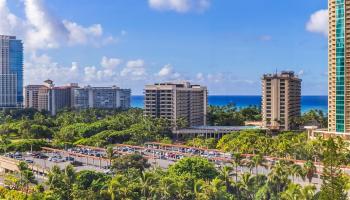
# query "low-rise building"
(210, 131)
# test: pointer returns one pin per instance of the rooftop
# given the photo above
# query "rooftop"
(233, 128)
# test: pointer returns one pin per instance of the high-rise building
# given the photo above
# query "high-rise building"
(339, 66)
(177, 101)
(31, 96)
(101, 97)
(49, 97)
(11, 72)
(280, 100)
(60, 97)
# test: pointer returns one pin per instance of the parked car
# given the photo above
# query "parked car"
(40, 156)
(18, 154)
(69, 158)
(10, 155)
(76, 163)
(29, 161)
(18, 158)
(55, 158)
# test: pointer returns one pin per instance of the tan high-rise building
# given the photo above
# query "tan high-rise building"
(31, 96)
(339, 66)
(176, 101)
(281, 96)
(49, 97)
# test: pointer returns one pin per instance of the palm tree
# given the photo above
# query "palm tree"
(297, 171)
(166, 188)
(147, 180)
(310, 170)
(199, 188)
(237, 162)
(278, 176)
(225, 173)
(246, 184)
(216, 190)
(26, 176)
(248, 162)
(110, 154)
(293, 192)
(69, 178)
(182, 191)
(259, 160)
(308, 192)
(118, 187)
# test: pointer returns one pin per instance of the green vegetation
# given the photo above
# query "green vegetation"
(193, 178)
(230, 115)
(189, 179)
(26, 129)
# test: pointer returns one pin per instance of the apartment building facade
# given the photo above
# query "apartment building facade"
(102, 98)
(339, 66)
(177, 102)
(49, 97)
(281, 100)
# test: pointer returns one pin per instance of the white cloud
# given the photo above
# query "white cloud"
(82, 35)
(133, 75)
(9, 23)
(40, 29)
(41, 67)
(167, 72)
(301, 73)
(181, 6)
(200, 76)
(44, 30)
(135, 69)
(110, 63)
(318, 22)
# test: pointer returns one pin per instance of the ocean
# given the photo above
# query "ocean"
(307, 102)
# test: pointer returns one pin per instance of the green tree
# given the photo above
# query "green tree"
(310, 170)
(225, 174)
(61, 182)
(333, 180)
(197, 167)
(26, 176)
(4, 142)
(126, 162)
(297, 171)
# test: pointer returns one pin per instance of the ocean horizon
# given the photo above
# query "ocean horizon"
(307, 102)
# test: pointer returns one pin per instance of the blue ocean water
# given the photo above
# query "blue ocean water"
(307, 102)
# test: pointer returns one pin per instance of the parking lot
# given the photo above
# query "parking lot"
(48, 158)
(158, 155)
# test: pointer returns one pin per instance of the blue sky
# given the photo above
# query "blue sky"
(224, 44)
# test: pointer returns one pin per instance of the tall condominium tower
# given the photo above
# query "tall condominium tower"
(339, 66)
(11, 72)
(175, 101)
(280, 100)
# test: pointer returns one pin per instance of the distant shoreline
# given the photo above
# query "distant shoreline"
(308, 102)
